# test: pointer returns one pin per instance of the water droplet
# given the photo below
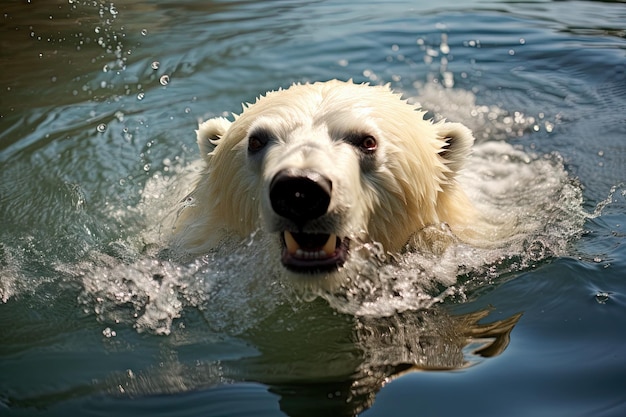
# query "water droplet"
(144, 32)
(109, 333)
(187, 110)
(101, 127)
(549, 127)
(140, 96)
(188, 202)
(146, 167)
(431, 52)
(444, 47)
(597, 259)
(155, 65)
(164, 80)
(602, 297)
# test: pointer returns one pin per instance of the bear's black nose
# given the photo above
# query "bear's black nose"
(300, 195)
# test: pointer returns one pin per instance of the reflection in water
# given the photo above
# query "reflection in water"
(331, 363)
(429, 340)
(317, 361)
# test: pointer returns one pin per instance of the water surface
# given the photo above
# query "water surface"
(99, 103)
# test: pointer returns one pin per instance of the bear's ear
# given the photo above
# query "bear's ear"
(209, 134)
(457, 141)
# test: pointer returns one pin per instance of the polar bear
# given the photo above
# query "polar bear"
(322, 168)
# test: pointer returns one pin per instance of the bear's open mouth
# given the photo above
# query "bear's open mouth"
(313, 252)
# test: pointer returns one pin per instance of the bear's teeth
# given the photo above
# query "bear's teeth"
(310, 255)
(290, 242)
(330, 246)
(293, 248)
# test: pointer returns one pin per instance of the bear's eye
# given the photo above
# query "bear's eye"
(365, 142)
(257, 140)
(368, 144)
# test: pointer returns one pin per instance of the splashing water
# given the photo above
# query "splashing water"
(241, 283)
(506, 183)
(127, 282)
(232, 291)
(487, 122)
(532, 193)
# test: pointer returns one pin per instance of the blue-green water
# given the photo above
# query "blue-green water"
(98, 105)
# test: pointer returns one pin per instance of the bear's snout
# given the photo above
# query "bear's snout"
(300, 195)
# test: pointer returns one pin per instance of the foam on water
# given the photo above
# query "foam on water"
(10, 282)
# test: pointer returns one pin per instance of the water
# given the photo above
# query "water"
(98, 107)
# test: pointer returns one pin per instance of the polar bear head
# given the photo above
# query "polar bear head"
(323, 167)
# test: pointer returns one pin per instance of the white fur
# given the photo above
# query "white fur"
(408, 185)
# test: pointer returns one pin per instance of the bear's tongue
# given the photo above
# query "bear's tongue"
(310, 244)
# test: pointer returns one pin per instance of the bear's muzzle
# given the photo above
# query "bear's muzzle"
(302, 195)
